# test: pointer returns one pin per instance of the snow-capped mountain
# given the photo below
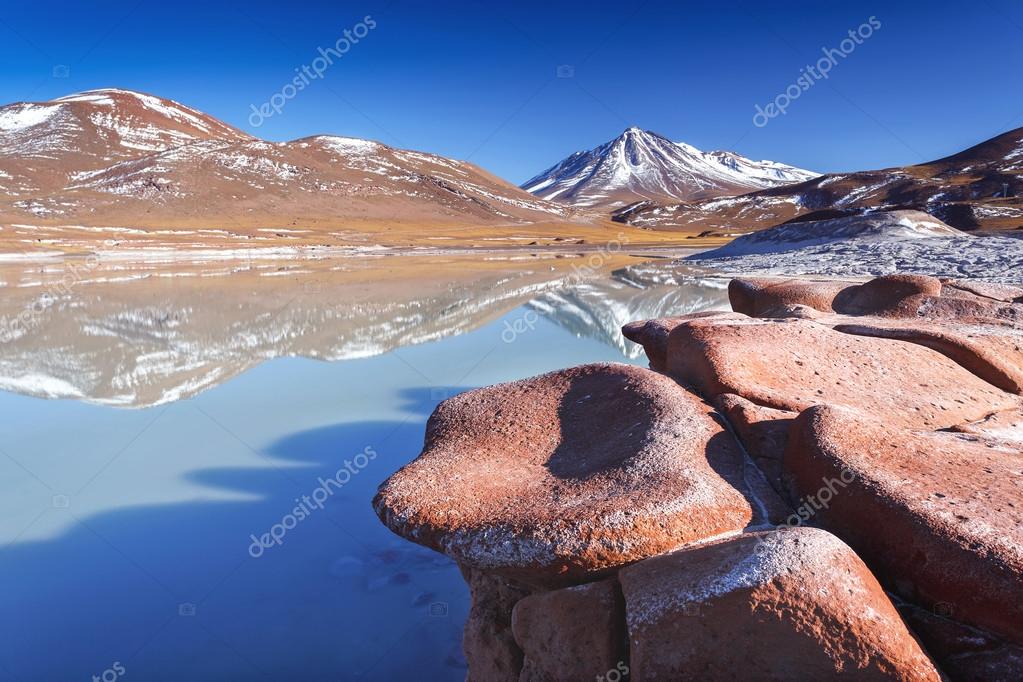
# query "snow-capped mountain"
(980, 187)
(641, 165)
(109, 157)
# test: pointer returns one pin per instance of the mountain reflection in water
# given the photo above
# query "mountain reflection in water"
(130, 335)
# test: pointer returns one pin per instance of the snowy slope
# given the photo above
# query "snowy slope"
(867, 246)
(120, 157)
(641, 165)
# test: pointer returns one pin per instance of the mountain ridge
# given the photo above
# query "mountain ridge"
(642, 165)
(113, 156)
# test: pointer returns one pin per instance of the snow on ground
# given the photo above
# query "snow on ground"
(870, 245)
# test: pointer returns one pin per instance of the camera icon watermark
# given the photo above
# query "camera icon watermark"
(61, 71)
(944, 609)
(61, 501)
(186, 609)
(565, 71)
(438, 609)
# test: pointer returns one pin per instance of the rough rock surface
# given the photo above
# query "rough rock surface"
(889, 296)
(488, 642)
(888, 412)
(792, 365)
(653, 335)
(575, 633)
(767, 297)
(993, 353)
(796, 604)
(564, 476)
(964, 653)
(761, 430)
(938, 515)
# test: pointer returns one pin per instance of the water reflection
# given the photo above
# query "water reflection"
(137, 336)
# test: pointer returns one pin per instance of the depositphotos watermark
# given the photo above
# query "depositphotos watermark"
(580, 273)
(307, 73)
(810, 75)
(809, 506)
(307, 504)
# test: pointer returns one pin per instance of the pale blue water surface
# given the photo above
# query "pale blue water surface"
(132, 482)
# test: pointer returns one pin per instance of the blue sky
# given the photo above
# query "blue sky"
(478, 80)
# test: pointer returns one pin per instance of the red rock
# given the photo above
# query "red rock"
(996, 292)
(575, 633)
(791, 365)
(937, 515)
(796, 604)
(488, 642)
(653, 335)
(888, 296)
(964, 653)
(767, 297)
(562, 477)
(761, 430)
(1005, 426)
(995, 354)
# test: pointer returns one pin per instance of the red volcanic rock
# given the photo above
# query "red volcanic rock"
(565, 476)
(761, 430)
(791, 365)
(576, 633)
(937, 515)
(1006, 426)
(653, 335)
(795, 604)
(995, 292)
(993, 353)
(767, 297)
(964, 653)
(888, 296)
(488, 643)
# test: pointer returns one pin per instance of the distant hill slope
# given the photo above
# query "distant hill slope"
(118, 157)
(641, 165)
(980, 187)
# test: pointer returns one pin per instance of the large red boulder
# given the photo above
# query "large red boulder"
(791, 365)
(794, 604)
(937, 515)
(566, 476)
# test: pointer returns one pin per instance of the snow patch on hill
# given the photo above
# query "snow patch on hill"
(641, 165)
(868, 246)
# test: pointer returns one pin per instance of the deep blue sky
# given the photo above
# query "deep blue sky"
(477, 79)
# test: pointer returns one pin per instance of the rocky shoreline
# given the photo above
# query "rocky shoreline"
(827, 481)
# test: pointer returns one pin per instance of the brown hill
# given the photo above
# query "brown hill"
(977, 188)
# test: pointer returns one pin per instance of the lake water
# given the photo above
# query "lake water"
(161, 424)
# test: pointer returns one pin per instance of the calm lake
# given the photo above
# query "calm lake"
(188, 451)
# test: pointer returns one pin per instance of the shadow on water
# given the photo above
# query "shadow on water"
(171, 591)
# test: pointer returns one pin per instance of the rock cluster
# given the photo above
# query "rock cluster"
(826, 482)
